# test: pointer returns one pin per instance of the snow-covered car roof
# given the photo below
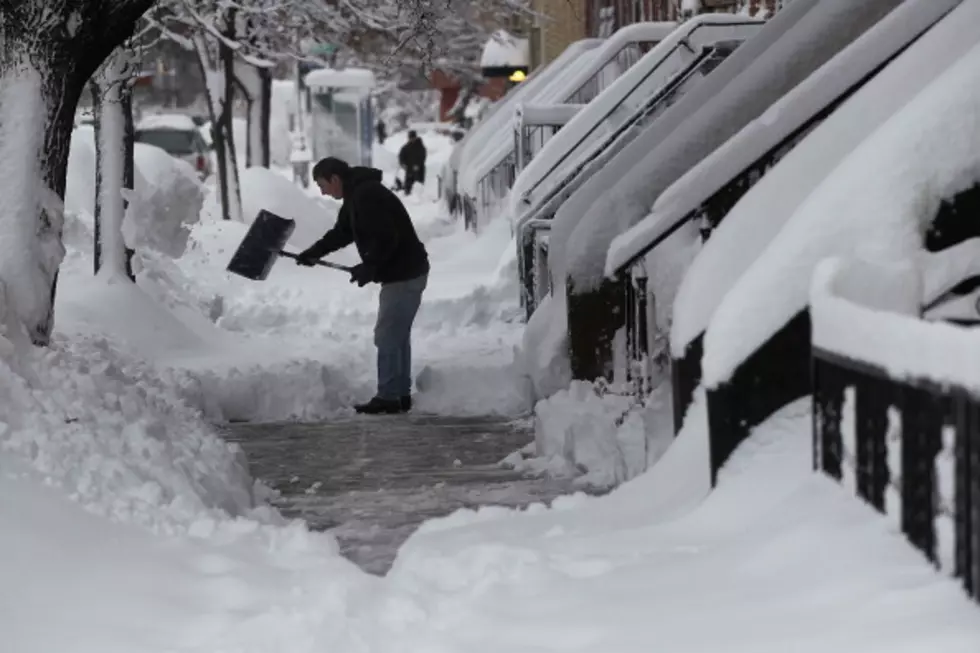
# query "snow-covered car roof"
(176, 121)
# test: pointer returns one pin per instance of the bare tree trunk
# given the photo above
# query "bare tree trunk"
(211, 76)
(47, 53)
(220, 99)
(226, 119)
(257, 85)
(112, 96)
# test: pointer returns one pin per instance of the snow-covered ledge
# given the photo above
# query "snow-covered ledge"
(869, 312)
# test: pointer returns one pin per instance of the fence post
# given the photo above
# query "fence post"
(685, 376)
(873, 397)
(828, 402)
(967, 470)
(594, 317)
(525, 261)
(922, 422)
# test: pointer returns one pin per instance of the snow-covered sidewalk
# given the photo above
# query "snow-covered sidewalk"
(128, 526)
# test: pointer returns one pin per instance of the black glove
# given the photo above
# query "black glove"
(307, 258)
(362, 274)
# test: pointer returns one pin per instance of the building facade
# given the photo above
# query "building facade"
(558, 24)
(603, 17)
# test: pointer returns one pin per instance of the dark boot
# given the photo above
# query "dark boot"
(379, 406)
(406, 404)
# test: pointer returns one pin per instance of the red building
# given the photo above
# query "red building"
(450, 88)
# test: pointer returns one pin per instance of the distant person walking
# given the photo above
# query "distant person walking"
(382, 132)
(376, 222)
(412, 160)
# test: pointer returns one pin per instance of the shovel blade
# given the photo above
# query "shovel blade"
(260, 248)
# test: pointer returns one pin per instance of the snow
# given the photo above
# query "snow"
(177, 121)
(661, 561)
(628, 158)
(547, 114)
(129, 525)
(799, 50)
(943, 270)
(607, 437)
(501, 113)
(617, 104)
(271, 191)
(760, 215)
(504, 50)
(558, 89)
(869, 313)
(567, 83)
(920, 156)
(167, 200)
(343, 78)
(779, 121)
(545, 359)
(30, 253)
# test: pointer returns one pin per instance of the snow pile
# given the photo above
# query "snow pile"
(165, 201)
(779, 121)
(607, 437)
(774, 543)
(31, 249)
(870, 312)
(105, 429)
(545, 357)
(504, 50)
(264, 189)
(921, 156)
(755, 220)
(176, 121)
(794, 44)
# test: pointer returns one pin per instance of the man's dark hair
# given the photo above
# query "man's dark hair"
(330, 167)
(412, 135)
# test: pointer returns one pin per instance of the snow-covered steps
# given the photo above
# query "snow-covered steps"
(373, 480)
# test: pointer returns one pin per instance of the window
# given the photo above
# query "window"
(170, 140)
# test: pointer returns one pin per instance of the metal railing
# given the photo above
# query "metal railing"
(862, 411)
(489, 188)
(605, 150)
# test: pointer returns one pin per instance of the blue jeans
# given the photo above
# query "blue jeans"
(397, 306)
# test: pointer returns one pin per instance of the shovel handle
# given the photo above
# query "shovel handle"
(326, 264)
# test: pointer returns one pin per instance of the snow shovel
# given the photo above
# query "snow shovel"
(263, 244)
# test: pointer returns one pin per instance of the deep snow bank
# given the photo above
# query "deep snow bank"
(165, 201)
(105, 428)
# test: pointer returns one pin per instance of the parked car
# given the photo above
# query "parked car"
(179, 136)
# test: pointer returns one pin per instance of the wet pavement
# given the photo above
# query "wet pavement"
(372, 480)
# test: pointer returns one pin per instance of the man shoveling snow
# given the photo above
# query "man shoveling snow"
(377, 223)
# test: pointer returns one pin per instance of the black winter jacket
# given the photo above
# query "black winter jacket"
(375, 220)
(412, 154)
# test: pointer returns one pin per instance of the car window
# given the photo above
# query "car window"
(171, 140)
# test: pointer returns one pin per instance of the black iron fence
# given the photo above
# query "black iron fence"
(927, 413)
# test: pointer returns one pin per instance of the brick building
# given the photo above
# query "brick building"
(561, 23)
